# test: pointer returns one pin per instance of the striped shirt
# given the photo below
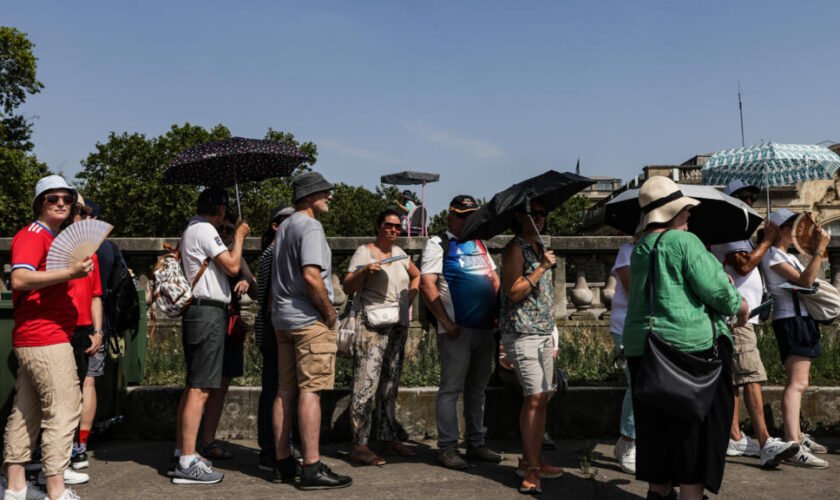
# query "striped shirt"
(263, 319)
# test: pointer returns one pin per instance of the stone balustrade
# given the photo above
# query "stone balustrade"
(582, 276)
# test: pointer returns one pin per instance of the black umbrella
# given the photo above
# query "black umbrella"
(231, 161)
(719, 218)
(551, 189)
(410, 177)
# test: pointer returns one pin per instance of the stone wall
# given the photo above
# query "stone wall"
(583, 412)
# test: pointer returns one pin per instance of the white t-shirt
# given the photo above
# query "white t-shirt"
(782, 299)
(619, 302)
(750, 285)
(200, 241)
(432, 263)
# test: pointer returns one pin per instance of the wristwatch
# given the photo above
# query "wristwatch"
(99, 332)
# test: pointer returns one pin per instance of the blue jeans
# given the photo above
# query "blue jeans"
(265, 431)
(628, 425)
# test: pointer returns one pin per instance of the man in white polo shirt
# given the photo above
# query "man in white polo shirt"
(204, 325)
(740, 261)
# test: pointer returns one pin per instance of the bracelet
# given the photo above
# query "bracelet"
(98, 332)
(529, 281)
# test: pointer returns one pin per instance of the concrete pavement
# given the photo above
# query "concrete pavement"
(128, 470)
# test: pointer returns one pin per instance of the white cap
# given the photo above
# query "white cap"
(49, 183)
(780, 216)
(738, 185)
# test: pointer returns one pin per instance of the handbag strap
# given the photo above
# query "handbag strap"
(651, 286)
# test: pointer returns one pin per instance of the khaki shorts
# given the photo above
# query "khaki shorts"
(306, 358)
(533, 361)
(747, 367)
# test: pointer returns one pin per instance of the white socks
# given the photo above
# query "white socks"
(15, 495)
(186, 460)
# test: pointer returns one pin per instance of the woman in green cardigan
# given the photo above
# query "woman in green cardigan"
(691, 297)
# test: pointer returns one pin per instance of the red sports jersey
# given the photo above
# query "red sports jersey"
(83, 290)
(46, 316)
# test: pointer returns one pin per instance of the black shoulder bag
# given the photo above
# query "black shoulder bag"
(673, 381)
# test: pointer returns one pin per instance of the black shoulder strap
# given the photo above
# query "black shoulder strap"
(444, 243)
(652, 278)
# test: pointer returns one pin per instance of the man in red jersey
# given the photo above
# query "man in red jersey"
(47, 390)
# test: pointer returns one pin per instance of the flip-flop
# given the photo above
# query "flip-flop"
(366, 458)
(215, 451)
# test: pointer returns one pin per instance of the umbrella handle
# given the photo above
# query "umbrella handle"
(534, 225)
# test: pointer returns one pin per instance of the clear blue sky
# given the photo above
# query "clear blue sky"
(485, 93)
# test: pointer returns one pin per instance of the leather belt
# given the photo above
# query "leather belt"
(209, 302)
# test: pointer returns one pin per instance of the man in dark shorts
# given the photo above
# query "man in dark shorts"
(204, 325)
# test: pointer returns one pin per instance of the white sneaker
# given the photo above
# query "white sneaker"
(69, 495)
(814, 447)
(775, 450)
(746, 447)
(70, 477)
(32, 492)
(806, 459)
(625, 453)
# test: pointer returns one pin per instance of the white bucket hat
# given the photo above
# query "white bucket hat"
(50, 183)
(661, 200)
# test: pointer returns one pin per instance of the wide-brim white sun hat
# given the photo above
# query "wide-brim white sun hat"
(661, 200)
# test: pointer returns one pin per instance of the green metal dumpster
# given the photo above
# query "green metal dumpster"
(8, 361)
(134, 361)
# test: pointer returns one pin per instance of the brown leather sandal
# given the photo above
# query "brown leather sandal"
(531, 483)
(367, 457)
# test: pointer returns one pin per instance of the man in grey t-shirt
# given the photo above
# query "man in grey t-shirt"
(304, 318)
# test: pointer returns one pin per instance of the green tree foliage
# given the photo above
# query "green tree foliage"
(353, 209)
(437, 224)
(18, 67)
(19, 171)
(125, 177)
(566, 219)
(18, 174)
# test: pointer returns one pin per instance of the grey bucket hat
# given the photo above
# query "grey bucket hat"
(308, 183)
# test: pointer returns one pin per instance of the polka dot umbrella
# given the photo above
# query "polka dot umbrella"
(231, 161)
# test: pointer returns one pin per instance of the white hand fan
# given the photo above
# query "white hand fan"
(77, 242)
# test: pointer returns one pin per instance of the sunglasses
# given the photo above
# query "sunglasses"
(396, 226)
(53, 198)
(745, 197)
(539, 213)
(226, 229)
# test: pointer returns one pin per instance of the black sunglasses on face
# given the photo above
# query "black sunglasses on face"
(53, 198)
(539, 213)
(396, 226)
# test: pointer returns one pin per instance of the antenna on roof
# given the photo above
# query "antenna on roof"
(577, 167)
(741, 112)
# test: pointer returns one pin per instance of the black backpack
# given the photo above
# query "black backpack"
(122, 307)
